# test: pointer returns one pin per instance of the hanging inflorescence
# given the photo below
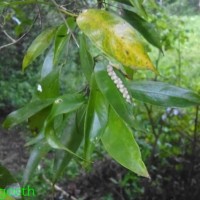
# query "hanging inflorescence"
(118, 82)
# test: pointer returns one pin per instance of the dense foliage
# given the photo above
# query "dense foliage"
(75, 114)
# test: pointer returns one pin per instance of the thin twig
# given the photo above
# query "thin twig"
(151, 120)
(58, 188)
(19, 39)
(67, 25)
(7, 35)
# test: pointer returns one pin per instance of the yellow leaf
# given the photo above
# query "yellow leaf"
(115, 37)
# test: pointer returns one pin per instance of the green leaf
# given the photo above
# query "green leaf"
(72, 137)
(115, 37)
(96, 118)
(55, 142)
(6, 178)
(119, 142)
(139, 7)
(61, 39)
(36, 122)
(87, 62)
(49, 86)
(65, 104)
(147, 29)
(112, 94)
(47, 66)
(38, 153)
(38, 46)
(162, 94)
(26, 112)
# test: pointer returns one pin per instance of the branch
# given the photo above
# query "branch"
(14, 41)
(58, 188)
(7, 35)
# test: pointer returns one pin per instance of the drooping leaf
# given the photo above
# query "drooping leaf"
(26, 112)
(62, 38)
(72, 137)
(56, 143)
(86, 59)
(96, 118)
(38, 152)
(112, 94)
(38, 46)
(162, 94)
(119, 142)
(147, 29)
(115, 37)
(64, 104)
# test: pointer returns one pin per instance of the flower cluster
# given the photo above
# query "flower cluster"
(118, 83)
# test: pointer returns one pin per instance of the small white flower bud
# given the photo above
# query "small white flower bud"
(122, 90)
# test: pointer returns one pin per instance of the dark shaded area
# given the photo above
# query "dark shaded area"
(177, 180)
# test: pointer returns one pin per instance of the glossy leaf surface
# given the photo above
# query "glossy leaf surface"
(27, 111)
(49, 86)
(115, 37)
(96, 118)
(147, 29)
(163, 94)
(62, 38)
(72, 137)
(65, 104)
(87, 63)
(119, 142)
(47, 66)
(38, 46)
(112, 94)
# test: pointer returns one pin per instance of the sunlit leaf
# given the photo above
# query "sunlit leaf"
(119, 142)
(38, 46)
(115, 37)
(162, 94)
